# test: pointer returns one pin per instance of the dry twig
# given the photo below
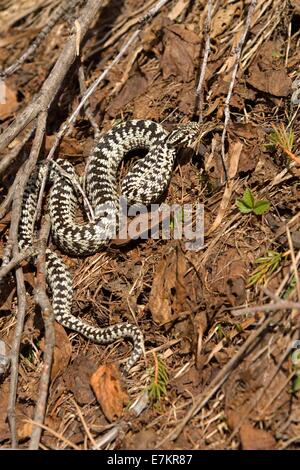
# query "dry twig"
(199, 93)
(42, 300)
(237, 52)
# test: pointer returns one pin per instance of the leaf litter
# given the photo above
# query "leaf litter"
(184, 301)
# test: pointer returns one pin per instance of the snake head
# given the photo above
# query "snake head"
(184, 135)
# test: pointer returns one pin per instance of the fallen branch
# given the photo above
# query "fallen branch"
(271, 307)
(42, 300)
(21, 292)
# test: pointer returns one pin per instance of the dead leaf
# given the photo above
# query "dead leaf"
(143, 440)
(189, 383)
(68, 147)
(7, 295)
(8, 101)
(177, 58)
(274, 82)
(62, 351)
(250, 134)
(168, 293)
(77, 379)
(228, 276)
(223, 18)
(185, 34)
(256, 439)
(268, 73)
(134, 87)
(106, 383)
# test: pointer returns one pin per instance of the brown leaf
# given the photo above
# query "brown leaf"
(185, 34)
(8, 101)
(250, 134)
(62, 351)
(25, 430)
(4, 394)
(168, 293)
(268, 73)
(274, 82)
(177, 59)
(228, 276)
(177, 9)
(106, 383)
(77, 379)
(133, 88)
(144, 439)
(187, 101)
(223, 18)
(256, 439)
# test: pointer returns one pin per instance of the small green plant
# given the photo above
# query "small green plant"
(282, 137)
(266, 266)
(248, 204)
(220, 332)
(159, 380)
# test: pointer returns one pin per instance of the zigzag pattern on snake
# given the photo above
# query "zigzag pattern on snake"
(146, 181)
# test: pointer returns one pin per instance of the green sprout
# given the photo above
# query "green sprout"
(282, 137)
(248, 204)
(267, 265)
(159, 381)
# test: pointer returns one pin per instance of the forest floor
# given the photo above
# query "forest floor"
(221, 322)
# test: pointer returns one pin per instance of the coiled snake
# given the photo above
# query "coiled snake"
(147, 180)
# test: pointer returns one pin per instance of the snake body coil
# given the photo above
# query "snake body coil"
(147, 180)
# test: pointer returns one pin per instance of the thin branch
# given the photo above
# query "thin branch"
(271, 307)
(42, 300)
(25, 254)
(237, 51)
(87, 108)
(21, 292)
(199, 94)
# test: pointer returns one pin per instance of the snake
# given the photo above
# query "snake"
(146, 181)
